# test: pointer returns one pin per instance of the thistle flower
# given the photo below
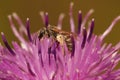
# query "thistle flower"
(43, 59)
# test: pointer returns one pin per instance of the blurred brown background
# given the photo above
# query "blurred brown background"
(105, 12)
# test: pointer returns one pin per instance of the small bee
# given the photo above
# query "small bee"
(60, 36)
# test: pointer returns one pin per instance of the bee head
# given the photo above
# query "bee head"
(47, 32)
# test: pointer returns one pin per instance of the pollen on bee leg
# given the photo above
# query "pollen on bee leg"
(60, 39)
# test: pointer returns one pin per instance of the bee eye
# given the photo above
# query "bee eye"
(41, 34)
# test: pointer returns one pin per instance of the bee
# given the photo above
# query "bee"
(62, 37)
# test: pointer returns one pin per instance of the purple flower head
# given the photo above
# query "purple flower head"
(47, 56)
